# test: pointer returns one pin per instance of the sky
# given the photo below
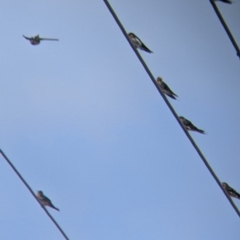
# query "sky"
(82, 121)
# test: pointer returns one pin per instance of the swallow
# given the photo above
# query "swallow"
(225, 1)
(231, 192)
(164, 87)
(189, 126)
(44, 200)
(36, 39)
(137, 43)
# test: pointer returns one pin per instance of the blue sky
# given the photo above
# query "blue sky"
(82, 121)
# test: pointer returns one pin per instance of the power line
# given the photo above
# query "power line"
(31, 191)
(214, 5)
(170, 106)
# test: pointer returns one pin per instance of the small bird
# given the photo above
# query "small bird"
(164, 87)
(36, 39)
(189, 126)
(45, 201)
(231, 192)
(225, 1)
(137, 43)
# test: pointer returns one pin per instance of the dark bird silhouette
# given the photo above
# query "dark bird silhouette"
(36, 39)
(231, 192)
(164, 87)
(137, 43)
(189, 126)
(44, 200)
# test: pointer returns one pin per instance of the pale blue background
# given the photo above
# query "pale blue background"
(82, 121)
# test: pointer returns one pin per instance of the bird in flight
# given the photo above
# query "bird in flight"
(189, 126)
(36, 39)
(164, 87)
(231, 192)
(137, 43)
(44, 200)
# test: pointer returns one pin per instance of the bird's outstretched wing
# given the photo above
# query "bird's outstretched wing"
(28, 38)
(49, 39)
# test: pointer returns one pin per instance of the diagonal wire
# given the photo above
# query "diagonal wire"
(31, 191)
(170, 107)
(214, 5)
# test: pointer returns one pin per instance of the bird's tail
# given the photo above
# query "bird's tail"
(174, 96)
(54, 207)
(171, 96)
(146, 49)
(200, 131)
(238, 196)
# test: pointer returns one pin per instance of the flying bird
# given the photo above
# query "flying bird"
(225, 1)
(189, 126)
(36, 39)
(231, 192)
(164, 87)
(44, 200)
(137, 43)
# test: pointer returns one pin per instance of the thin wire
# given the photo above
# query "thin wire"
(31, 191)
(170, 106)
(235, 45)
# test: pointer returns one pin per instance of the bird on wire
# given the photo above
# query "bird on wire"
(189, 126)
(137, 43)
(36, 39)
(164, 87)
(230, 191)
(44, 200)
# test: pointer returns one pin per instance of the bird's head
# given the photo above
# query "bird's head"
(40, 193)
(130, 34)
(159, 79)
(224, 185)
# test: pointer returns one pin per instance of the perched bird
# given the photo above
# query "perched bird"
(44, 200)
(231, 192)
(36, 39)
(137, 43)
(189, 126)
(164, 87)
(225, 1)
